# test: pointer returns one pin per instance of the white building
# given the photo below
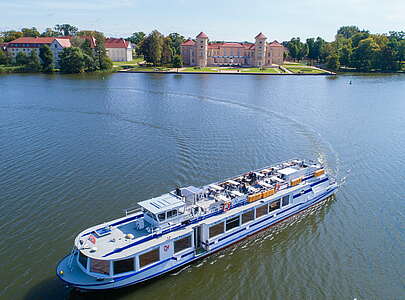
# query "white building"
(27, 44)
(118, 49)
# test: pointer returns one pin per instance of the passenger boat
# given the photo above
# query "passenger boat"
(186, 224)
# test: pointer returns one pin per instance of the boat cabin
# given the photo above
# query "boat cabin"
(161, 210)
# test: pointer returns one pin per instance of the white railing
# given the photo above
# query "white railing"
(132, 210)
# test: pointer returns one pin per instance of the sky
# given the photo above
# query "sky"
(236, 20)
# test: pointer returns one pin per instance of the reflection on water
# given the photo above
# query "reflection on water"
(77, 150)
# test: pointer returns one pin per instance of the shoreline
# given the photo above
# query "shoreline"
(230, 73)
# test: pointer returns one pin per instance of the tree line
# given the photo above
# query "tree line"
(158, 49)
(352, 49)
(81, 57)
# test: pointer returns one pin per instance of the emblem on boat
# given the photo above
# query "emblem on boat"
(166, 247)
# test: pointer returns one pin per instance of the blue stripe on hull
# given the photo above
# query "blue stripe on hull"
(302, 207)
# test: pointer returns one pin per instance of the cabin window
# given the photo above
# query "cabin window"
(182, 244)
(149, 258)
(248, 216)
(83, 260)
(161, 217)
(123, 266)
(100, 266)
(275, 205)
(216, 229)
(261, 211)
(286, 200)
(232, 223)
(171, 213)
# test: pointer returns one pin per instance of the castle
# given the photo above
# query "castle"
(200, 52)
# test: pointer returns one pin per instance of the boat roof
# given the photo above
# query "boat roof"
(190, 190)
(287, 171)
(162, 203)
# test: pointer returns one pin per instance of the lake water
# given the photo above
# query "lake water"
(77, 150)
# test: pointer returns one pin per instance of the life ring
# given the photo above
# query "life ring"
(227, 206)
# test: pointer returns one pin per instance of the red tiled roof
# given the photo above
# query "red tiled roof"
(33, 40)
(189, 42)
(65, 43)
(116, 43)
(275, 44)
(202, 35)
(260, 36)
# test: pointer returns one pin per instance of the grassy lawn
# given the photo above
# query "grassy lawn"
(303, 69)
(194, 69)
(258, 70)
(242, 70)
(135, 61)
(10, 69)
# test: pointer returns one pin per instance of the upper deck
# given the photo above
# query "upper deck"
(168, 216)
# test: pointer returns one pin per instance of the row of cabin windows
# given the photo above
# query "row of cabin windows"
(128, 265)
(247, 216)
(163, 216)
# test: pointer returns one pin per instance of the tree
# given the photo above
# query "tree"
(175, 41)
(33, 63)
(4, 58)
(319, 44)
(30, 32)
(388, 59)
(21, 59)
(103, 62)
(152, 47)
(401, 50)
(177, 61)
(345, 54)
(72, 60)
(365, 55)
(46, 56)
(348, 31)
(167, 51)
(89, 63)
(49, 32)
(332, 62)
(66, 29)
(11, 35)
(311, 48)
(136, 38)
(356, 38)
(297, 49)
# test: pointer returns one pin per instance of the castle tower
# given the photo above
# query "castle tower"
(260, 50)
(201, 49)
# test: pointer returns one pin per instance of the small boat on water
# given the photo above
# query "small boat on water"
(187, 224)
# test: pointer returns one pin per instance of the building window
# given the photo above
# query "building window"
(216, 229)
(275, 205)
(286, 200)
(248, 216)
(261, 211)
(182, 244)
(123, 266)
(83, 260)
(100, 266)
(149, 258)
(232, 223)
